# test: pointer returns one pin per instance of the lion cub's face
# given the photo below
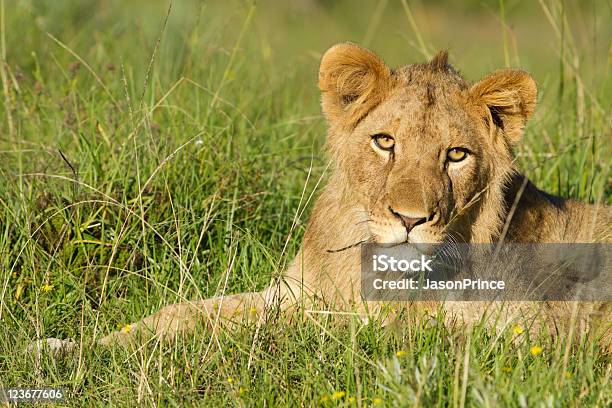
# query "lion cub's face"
(418, 147)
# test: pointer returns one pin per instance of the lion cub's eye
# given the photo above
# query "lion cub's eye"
(384, 142)
(456, 154)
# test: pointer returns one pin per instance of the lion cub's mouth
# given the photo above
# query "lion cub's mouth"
(423, 241)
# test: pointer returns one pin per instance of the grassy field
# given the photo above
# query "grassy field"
(151, 154)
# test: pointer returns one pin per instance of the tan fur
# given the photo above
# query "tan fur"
(427, 109)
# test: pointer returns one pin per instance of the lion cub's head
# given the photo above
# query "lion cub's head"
(423, 153)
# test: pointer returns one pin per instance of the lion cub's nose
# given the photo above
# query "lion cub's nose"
(410, 222)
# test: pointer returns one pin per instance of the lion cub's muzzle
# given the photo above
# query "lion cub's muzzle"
(410, 222)
(420, 227)
(397, 226)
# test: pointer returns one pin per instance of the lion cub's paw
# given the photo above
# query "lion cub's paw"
(57, 347)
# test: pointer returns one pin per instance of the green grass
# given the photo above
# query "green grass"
(149, 157)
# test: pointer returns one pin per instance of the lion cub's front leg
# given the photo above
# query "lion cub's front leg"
(177, 318)
(171, 320)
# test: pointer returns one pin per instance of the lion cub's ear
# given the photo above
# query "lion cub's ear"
(353, 81)
(510, 97)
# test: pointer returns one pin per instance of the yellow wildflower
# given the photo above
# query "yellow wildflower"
(230, 380)
(518, 329)
(535, 350)
(400, 353)
(351, 399)
(338, 394)
(126, 328)
(377, 401)
(47, 288)
(324, 398)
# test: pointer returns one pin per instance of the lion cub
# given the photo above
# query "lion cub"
(418, 155)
